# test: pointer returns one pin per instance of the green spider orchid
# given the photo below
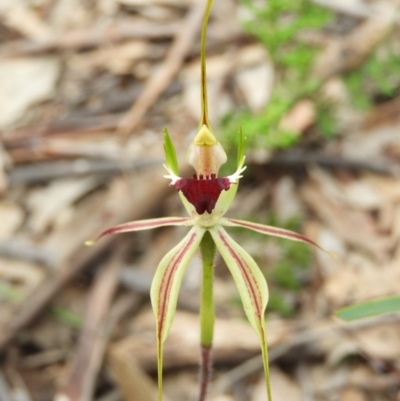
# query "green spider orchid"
(206, 198)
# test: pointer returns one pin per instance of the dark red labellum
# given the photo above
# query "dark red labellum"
(202, 193)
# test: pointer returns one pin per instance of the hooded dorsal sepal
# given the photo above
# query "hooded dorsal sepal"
(206, 154)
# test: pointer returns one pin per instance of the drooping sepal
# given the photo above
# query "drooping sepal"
(171, 162)
(249, 280)
(251, 284)
(165, 288)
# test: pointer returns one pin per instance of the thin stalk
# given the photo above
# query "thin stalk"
(204, 99)
(159, 367)
(264, 352)
(207, 312)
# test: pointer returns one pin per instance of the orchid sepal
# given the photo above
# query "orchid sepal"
(165, 289)
(251, 285)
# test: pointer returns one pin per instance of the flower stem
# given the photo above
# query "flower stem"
(204, 101)
(264, 351)
(207, 311)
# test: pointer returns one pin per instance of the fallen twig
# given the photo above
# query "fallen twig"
(301, 159)
(87, 38)
(49, 170)
(79, 385)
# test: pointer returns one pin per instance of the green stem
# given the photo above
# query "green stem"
(204, 101)
(264, 352)
(207, 311)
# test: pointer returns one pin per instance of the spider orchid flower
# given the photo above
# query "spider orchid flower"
(206, 197)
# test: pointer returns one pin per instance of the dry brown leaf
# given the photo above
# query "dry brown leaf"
(381, 342)
(11, 217)
(352, 226)
(346, 53)
(182, 385)
(185, 335)
(24, 276)
(256, 84)
(19, 16)
(353, 394)
(371, 144)
(283, 388)
(222, 397)
(355, 8)
(46, 204)
(24, 82)
(134, 383)
(300, 117)
(175, 3)
(357, 279)
(118, 59)
(67, 15)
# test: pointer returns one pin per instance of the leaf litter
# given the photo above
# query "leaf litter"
(63, 100)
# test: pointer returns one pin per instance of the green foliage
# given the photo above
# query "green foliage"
(370, 308)
(379, 74)
(8, 293)
(279, 304)
(325, 120)
(277, 24)
(64, 315)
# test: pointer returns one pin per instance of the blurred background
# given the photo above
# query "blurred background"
(86, 87)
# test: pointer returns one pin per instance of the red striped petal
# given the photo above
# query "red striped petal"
(142, 225)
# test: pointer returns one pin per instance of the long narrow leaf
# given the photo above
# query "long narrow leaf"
(165, 289)
(142, 225)
(251, 285)
(370, 308)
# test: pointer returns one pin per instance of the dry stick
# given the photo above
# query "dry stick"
(295, 159)
(46, 171)
(162, 78)
(86, 38)
(79, 385)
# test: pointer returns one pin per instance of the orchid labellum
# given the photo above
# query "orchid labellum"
(206, 198)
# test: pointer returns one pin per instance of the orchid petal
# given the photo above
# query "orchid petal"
(241, 149)
(165, 288)
(143, 225)
(270, 230)
(171, 161)
(251, 284)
